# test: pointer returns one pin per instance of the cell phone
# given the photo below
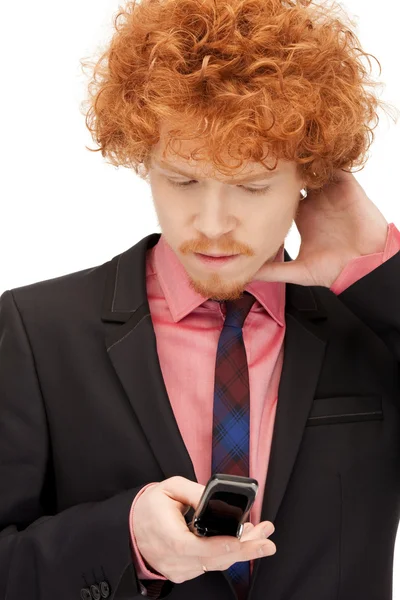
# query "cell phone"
(224, 506)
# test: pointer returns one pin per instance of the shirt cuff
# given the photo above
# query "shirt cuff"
(142, 570)
(362, 265)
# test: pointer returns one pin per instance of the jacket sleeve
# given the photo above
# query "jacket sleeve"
(375, 297)
(361, 266)
(80, 552)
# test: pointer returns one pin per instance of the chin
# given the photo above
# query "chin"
(217, 286)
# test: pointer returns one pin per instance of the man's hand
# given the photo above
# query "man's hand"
(170, 548)
(336, 224)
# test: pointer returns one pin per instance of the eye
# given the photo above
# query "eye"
(250, 190)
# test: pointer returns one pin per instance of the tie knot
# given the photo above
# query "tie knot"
(237, 310)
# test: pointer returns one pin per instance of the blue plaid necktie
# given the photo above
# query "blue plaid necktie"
(231, 418)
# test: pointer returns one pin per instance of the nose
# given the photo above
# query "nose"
(214, 220)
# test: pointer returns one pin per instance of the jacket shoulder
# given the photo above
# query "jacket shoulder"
(74, 293)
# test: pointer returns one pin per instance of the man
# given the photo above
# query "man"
(112, 385)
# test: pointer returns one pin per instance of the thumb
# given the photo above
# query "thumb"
(287, 272)
(183, 491)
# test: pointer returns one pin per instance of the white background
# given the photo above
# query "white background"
(63, 208)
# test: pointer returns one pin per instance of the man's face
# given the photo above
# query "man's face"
(216, 214)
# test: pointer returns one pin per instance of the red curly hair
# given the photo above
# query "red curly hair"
(243, 74)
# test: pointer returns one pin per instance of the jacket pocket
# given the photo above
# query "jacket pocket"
(345, 409)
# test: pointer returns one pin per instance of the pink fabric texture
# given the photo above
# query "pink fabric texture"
(187, 328)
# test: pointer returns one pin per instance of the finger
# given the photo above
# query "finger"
(215, 546)
(190, 544)
(250, 550)
(264, 530)
(248, 527)
(260, 531)
(224, 546)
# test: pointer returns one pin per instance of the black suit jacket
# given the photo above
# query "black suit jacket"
(85, 423)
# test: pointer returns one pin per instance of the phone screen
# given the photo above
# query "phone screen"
(223, 513)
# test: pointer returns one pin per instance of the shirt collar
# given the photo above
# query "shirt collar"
(172, 276)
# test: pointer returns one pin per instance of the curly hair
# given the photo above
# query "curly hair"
(282, 76)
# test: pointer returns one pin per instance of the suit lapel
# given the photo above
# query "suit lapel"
(131, 346)
(125, 305)
(304, 349)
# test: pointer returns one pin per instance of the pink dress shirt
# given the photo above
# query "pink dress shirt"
(187, 328)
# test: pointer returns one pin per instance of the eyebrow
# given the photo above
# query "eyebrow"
(248, 179)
